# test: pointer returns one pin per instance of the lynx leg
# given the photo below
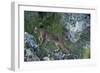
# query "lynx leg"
(57, 45)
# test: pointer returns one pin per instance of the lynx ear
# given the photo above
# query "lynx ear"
(35, 30)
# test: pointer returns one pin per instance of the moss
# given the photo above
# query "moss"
(85, 53)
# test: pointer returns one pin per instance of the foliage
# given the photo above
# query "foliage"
(50, 21)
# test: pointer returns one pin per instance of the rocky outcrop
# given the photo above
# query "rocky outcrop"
(30, 55)
(30, 47)
(30, 41)
(75, 24)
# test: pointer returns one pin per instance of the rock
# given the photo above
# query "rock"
(30, 55)
(75, 23)
(70, 56)
(46, 59)
(58, 55)
(30, 41)
(64, 56)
